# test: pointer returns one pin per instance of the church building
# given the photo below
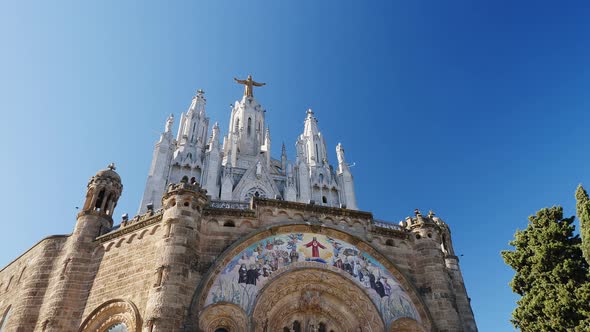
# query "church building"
(230, 239)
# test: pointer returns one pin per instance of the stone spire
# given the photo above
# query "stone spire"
(315, 146)
(345, 178)
(284, 159)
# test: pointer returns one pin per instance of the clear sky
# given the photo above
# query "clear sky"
(478, 110)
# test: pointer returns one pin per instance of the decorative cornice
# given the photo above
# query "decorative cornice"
(209, 211)
(130, 228)
(402, 234)
(257, 201)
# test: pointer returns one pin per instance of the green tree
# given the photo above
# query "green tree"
(583, 210)
(551, 275)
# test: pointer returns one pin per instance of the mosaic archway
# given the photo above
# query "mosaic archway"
(248, 267)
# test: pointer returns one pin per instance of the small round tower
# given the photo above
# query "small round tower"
(102, 195)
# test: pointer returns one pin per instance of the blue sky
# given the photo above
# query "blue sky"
(476, 110)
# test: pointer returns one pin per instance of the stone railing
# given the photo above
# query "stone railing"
(236, 205)
(387, 225)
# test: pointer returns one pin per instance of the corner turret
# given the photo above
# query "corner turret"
(183, 206)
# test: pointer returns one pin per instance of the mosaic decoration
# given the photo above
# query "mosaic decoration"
(240, 281)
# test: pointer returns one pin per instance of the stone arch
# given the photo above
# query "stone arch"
(311, 290)
(201, 296)
(246, 224)
(110, 313)
(223, 315)
(4, 317)
(119, 243)
(109, 246)
(154, 229)
(283, 214)
(142, 234)
(405, 325)
(133, 236)
(22, 272)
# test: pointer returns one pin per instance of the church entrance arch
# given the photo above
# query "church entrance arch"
(312, 298)
(303, 274)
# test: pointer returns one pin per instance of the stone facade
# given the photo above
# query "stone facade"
(195, 262)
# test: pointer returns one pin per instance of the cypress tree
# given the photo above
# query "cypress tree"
(583, 210)
(551, 275)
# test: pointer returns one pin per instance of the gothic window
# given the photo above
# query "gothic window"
(296, 326)
(317, 154)
(119, 327)
(249, 125)
(256, 192)
(4, 319)
(237, 125)
(322, 179)
(322, 328)
(324, 200)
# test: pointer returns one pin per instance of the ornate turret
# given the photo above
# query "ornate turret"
(104, 190)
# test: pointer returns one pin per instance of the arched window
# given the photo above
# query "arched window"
(237, 125)
(119, 327)
(4, 319)
(321, 178)
(324, 200)
(249, 125)
(116, 315)
(296, 326)
(99, 200)
(322, 328)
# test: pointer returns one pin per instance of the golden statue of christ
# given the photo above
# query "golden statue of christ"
(248, 84)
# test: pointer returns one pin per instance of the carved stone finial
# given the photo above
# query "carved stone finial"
(112, 166)
(417, 212)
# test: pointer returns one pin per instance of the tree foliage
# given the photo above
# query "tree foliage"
(583, 210)
(551, 275)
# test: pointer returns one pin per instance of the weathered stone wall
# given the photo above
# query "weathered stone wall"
(126, 268)
(23, 283)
